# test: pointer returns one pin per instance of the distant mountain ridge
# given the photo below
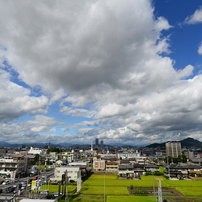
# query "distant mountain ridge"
(188, 142)
(6, 144)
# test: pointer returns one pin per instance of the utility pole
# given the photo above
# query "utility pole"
(154, 192)
(79, 182)
(159, 191)
(104, 186)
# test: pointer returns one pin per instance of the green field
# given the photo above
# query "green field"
(54, 188)
(190, 191)
(108, 177)
(88, 199)
(97, 186)
(146, 181)
(184, 183)
(130, 199)
(99, 190)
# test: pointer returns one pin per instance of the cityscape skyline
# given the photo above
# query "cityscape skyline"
(124, 72)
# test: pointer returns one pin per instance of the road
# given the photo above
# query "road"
(24, 191)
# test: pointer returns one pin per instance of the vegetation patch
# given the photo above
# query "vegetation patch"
(190, 191)
(54, 188)
(100, 190)
(184, 183)
(131, 199)
(142, 192)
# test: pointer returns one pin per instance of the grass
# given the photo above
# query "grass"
(190, 191)
(54, 188)
(88, 199)
(99, 190)
(109, 177)
(174, 199)
(183, 183)
(130, 199)
(161, 169)
(116, 190)
(147, 181)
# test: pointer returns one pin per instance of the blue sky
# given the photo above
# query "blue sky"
(124, 71)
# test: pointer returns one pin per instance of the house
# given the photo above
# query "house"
(36, 151)
(129, 155)
(138, 170)
(112, 166)
(151, 168)
(180, 171)
(131, 170)
(68, 156)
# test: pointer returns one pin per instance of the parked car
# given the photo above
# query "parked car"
(50, 196)
(45, 192)
(30, 180)
(35, 177)
(56, 194)
(6, 182)
(10, 189)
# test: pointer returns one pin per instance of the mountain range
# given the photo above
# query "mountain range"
(188, 142)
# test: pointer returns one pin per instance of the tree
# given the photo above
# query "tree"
(54, 149)
(37, 158)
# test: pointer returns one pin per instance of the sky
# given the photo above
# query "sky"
(125, 72)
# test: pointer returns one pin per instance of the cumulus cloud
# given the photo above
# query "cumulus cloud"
(16, 100)
(200, 49)
(161, 24)
(102, 60)
(78, 112)
(195, 18)
(29, 130)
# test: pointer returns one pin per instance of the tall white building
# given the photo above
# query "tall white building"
(173, 149)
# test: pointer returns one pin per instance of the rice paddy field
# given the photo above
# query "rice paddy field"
(130, 199)
(108, 188)
(100, 180)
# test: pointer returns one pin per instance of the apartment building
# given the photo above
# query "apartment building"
(73, 173)
(173, 149)
(13, 166)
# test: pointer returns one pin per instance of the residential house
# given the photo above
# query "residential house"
(151, 168)
(112, 166)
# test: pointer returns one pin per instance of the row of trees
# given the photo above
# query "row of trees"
(180, 159)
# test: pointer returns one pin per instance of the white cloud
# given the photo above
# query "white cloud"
(200, 49)
(195, 18)
(16, 100)
(102, 60)
(77, 112)
(161, 24)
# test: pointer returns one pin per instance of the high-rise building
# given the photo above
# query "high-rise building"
(102, 143)
(96, 142)
(173, 149)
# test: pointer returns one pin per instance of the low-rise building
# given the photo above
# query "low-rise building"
(13, 166)
(73, 173)
(112, 166)
(99, 165)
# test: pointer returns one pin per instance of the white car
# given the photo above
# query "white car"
(5, 182)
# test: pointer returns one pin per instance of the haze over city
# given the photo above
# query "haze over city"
(122, 71)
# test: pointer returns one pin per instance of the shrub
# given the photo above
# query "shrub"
(140, 192)
(158, 173)
(148, 173)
